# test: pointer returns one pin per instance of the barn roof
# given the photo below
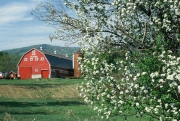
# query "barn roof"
(54, 59)
(58, 61)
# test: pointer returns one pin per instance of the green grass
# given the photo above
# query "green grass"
(46, 100)
(51, 110)
(53, 81)
(45, 110)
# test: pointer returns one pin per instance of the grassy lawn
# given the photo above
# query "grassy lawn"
(45, 100)
(33, 82)
(45, 110)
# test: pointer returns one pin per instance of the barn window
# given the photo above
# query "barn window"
(36, 70)
(42, 58)
(31, 59)
(61, 71)
(36, 59)
(33, 52)
(66, 72)
(25, 59)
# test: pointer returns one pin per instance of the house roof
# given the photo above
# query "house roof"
(58, 60)
(12, 72)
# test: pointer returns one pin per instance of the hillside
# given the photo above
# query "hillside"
(49, 48)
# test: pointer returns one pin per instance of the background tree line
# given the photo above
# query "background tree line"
(8, 62)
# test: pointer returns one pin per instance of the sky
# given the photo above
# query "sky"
(18, 28)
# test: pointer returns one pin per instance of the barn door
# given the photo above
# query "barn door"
(45, 73)
(25, 72)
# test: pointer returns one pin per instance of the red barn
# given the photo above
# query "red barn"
(40, 64)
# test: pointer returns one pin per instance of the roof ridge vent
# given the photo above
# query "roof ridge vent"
(55, 52)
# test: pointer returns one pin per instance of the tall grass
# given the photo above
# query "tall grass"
(45, 100)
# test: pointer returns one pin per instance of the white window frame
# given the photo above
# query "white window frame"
(36, 70)
(33, 52)
(36, 59)
(61, 71)
(42, 58)
(31, 59)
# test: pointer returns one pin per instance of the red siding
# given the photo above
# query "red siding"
(35, 61)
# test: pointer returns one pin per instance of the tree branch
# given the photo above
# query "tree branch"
(124, 32)
(145, 32)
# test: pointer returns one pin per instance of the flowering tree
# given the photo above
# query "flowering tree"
(130, 23)
(147, 76)
(149, 84)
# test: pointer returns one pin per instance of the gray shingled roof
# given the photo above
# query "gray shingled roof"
(58, 61)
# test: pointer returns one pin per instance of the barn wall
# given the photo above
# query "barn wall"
(34, 61)
(57, 72)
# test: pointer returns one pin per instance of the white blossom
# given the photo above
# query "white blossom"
(147, 109)
(170, 77)
(179, 89)
(144, 73)
(137, 104)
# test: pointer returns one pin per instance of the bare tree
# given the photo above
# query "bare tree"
(57, 15)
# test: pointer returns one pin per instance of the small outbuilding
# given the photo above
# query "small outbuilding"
(3, 75)
(40, 64)
(12, 75)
